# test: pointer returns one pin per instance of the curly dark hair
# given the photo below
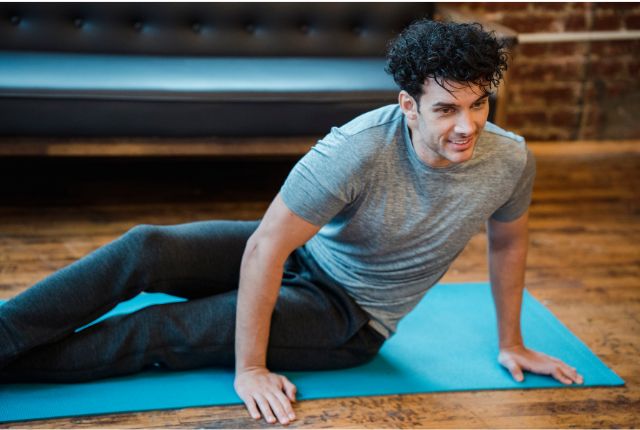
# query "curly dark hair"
(446, 51)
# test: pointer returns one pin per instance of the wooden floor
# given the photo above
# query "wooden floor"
(584, 264)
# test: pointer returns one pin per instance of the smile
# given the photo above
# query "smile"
(462, 144)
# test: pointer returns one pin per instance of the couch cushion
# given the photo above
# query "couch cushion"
(58, 94)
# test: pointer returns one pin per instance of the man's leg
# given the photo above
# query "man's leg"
(189, 260)
(315, 325)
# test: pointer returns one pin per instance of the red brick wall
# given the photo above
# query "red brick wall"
(570, 90)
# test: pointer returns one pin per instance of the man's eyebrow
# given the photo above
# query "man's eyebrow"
(445, 104)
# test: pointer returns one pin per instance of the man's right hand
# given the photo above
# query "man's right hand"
(266, 392)
(280, 232)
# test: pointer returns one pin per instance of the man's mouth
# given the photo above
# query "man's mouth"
(462, 144)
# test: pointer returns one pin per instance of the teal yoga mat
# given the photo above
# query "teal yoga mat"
(448, 343)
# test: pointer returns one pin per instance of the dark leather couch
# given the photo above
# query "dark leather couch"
(194, 69)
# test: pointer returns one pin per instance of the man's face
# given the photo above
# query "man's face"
(446, 128)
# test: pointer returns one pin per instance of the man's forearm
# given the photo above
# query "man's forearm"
(280, 232)
(508, 243)
(260, 280)
(508, 302)
(507, 264)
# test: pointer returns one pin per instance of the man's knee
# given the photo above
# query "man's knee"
(147, 246)
(145, 236)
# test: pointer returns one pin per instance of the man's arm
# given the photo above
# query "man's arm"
(279, 233)
(508, 244)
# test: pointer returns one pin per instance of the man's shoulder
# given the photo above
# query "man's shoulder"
(364, 139)
(358, 145)
(500, 135)
(375, 121)
(504, 150)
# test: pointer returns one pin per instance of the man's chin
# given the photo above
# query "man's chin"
(458, 157)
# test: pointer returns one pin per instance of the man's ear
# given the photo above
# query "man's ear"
(408, 105)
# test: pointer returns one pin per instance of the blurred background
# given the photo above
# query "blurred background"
(585, 88)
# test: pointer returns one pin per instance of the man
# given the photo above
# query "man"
(365, 224)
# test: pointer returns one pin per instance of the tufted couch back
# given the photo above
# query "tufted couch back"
(194, 69)
(207, 29)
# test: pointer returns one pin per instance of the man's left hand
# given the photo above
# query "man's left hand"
(516, 359)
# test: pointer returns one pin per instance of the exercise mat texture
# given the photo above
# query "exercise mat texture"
(448, 343)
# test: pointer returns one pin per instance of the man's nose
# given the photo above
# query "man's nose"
(464, 124)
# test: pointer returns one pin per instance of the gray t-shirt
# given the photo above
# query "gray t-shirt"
(392, 225)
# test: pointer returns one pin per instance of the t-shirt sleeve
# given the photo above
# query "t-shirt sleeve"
(520, 199)
(325, 180)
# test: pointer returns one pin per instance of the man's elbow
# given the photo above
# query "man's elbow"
(260, 250)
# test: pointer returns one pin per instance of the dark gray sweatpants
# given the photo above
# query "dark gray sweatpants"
(315, 324)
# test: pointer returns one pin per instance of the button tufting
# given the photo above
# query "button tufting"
(137, 26)
(78, 22)
(15, 20)
(304, 28)
(196, 27)
(250, 28)
(357, 30)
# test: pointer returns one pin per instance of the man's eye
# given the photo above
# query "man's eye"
(479, 104)
(445, 110)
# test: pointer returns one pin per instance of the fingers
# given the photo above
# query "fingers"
(263, 403)
(560, 376)
(266, 394)
(286, 404)
(573, 374)
(252, 408)
(272, 405)
(289, 389)
(513, 368)
(536, 362)
(567, 375)
(569, 372)
(281, 406)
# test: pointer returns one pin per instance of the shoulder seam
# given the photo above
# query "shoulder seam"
(374, 126)
(505, 134)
